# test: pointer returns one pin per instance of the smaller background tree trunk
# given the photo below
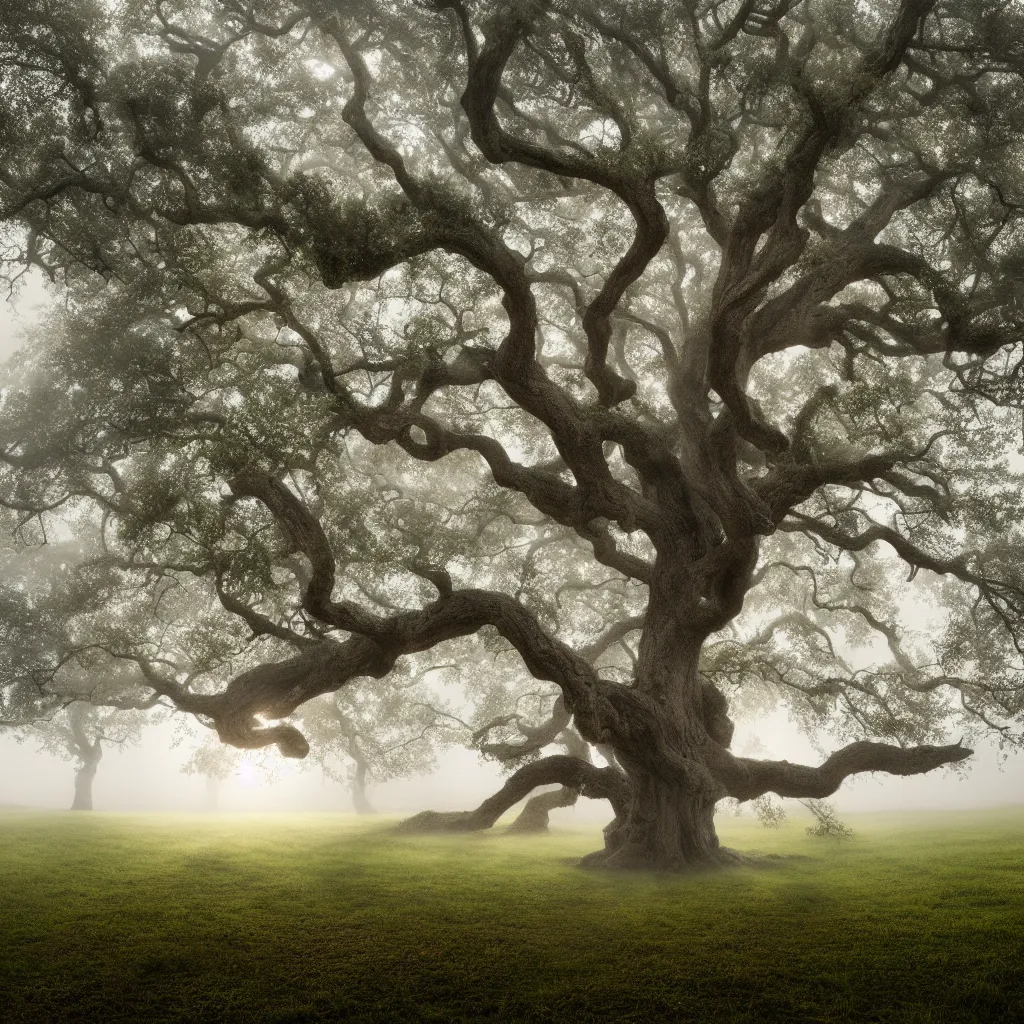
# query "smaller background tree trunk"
(359, 798)
(83, 786)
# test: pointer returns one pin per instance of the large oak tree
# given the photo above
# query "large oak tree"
(673, 346)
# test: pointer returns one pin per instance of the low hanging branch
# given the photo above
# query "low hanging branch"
(535, 815)
(571, 772)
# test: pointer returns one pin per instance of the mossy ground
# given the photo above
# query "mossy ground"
(107, 918)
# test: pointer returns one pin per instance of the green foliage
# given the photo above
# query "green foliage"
(768, 812)
(826, 824)
(261, 269)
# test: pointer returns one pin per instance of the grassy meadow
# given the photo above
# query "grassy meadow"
(257, 918)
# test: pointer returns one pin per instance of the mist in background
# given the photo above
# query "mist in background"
(148, 777)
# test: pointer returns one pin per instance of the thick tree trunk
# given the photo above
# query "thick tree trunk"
(359, 799)
(663, 746)
(83, 786)
(666, 828)
(534, 817)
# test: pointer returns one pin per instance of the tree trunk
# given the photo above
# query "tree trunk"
(88, 752)
(84, 775)
(667, 827)
(671, 720)
(359, 800)
(533, 818)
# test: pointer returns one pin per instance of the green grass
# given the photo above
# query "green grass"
(112, 918)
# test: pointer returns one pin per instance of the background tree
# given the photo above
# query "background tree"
(68, 697)
(826, 824)
(387, 321)
(80, 733)
(216, 763)
(373, 734)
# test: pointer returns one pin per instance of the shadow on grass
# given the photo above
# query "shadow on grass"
(320, 918)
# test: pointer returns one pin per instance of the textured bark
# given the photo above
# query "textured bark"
(669, 822)
(667, 828)
(534, 817)
(570, 772)
(746, 779)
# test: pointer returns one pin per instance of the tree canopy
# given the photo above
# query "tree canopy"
(673, 348)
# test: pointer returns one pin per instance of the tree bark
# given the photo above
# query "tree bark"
(663, 742)
(570, 772)
(667, 828)
(88, 752)
(534, 817)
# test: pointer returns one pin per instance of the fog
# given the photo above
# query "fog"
(148, 777)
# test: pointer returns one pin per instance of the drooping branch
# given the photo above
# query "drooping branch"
(275, 690)
(534, 817)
